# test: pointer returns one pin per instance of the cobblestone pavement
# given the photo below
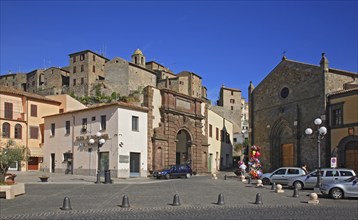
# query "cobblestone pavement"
(152, 199)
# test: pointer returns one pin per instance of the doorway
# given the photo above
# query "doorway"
(104, 162)
(134, 164)
(287, 155)
(183, 148)
(53, 163)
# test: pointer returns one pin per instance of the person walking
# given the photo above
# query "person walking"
(243, 168)
(304, 167)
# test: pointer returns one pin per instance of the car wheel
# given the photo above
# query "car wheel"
(266, 181)
(298, 185)
(187, 175)
(167, 176)
(336, 193)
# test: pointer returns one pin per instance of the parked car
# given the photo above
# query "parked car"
(341, 189)
(281, 175)
(327, 175)
(173, 171)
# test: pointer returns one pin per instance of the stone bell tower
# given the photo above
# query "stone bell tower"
(138, 58)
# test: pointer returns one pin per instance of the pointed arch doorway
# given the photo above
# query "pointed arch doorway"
(183, 147)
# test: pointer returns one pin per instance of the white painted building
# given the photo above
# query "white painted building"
(220, 139)
(122, 125)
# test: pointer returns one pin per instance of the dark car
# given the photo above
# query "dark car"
(174, 171)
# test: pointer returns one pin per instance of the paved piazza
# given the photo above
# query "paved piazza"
(152, 199)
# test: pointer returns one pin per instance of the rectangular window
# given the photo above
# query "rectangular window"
(135, 123)
(68, 124)
(8, 110)
(82, 57)
(74, 59)
(232, 100)
(94, 69)
(74, 69)
(82, 81)
(84, 124)
(74, 82)
(93, 118)
(337, 117)
(103, 122)
(232, 92)
(53, 130)
(34, 132)
(94, 57)
(34, 110)
(217, 133)
(210, 130)
(235, 140)
(232, 108)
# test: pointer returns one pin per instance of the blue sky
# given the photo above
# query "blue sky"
(225, 42)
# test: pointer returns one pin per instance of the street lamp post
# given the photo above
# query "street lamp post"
(100, 142)
(321, 131)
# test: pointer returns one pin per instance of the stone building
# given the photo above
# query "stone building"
(229, 106)
(342, 124)
(15, 80)
(287, 102)
(53, 81)
(86, 67)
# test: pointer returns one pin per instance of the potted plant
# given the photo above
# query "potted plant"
(44, 178)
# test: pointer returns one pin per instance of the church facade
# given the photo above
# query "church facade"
(287, 102)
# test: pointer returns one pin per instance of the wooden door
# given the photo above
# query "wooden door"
(287, 155)
(351, 155)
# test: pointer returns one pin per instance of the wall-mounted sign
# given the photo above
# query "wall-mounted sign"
(123, 159)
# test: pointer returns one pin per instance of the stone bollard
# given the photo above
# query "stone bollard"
(295, 193)
(273, 187)
(125, 202)
(259, 183)
(242, 178)
(313, 199)
(66, 204)
(279, 188)
(225, 177)
(249, 182)
(220, 199)
(176, 200)
(258, 199)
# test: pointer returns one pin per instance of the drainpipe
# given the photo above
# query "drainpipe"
(72, 142)
(27, 132)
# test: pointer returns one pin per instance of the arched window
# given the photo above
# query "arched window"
(6, 130)
(18, 131)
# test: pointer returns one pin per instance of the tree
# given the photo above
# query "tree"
(9, 154)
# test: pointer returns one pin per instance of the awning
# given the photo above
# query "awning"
(36, 152)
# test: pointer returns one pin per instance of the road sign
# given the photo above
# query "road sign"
(333, 162)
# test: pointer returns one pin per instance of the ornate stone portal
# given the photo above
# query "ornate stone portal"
(180, 138)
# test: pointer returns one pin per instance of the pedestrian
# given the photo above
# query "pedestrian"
(243, 169)
(304, 167)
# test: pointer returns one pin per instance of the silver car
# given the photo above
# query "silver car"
(281, 175)
(342, 189)
(327, 175)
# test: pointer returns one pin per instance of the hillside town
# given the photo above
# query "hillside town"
(131, 118)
